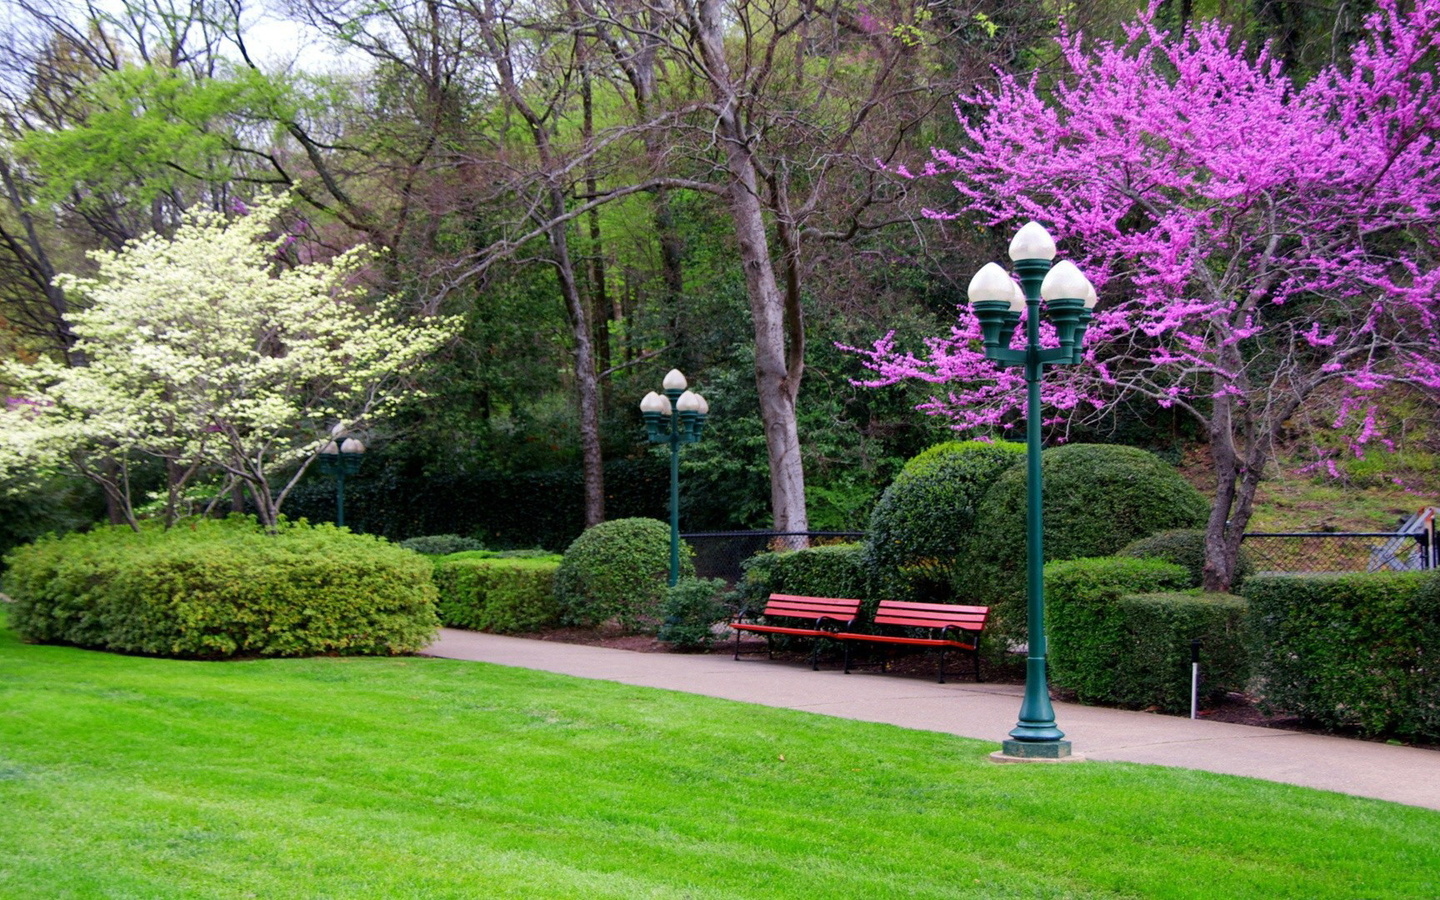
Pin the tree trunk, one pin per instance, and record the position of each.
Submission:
(778, 367)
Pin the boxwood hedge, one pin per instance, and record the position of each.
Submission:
(503, 595)
(220, 588)
(1359, 651)
(1098, 498)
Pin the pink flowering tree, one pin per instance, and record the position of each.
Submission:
(1262, 248)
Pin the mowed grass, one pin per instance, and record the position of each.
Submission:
(358, 778)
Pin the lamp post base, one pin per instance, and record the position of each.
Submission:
(1035, 751)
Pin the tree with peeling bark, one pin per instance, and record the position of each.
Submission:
(1263, 247)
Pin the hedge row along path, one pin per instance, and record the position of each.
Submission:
(985, 711)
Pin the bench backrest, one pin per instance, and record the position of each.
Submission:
(812, 607)
(931, 615)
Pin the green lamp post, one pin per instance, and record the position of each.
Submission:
(998, 303)
(338, 458)
(675, 417)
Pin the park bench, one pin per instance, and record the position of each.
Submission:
(940, 626)
(817, 618)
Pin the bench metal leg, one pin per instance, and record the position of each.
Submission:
(942, 665)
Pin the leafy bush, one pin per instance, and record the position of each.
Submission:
(220, 588)
(1098, 498)
(692, 609)
(1184, 547)
(496, 594)
(442, 544)
(617, 572)
(922, 526)
(835, 570)
(1358, 651)
(1154, 667)
(1088, 638)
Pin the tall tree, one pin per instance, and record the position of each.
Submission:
(1263, 246)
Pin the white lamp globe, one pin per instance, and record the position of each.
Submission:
(1065, 280)
(991, 283)
(1032, 242)
(674, 381)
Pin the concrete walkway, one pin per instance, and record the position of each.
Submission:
(988, 712)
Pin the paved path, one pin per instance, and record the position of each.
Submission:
(1402, 774)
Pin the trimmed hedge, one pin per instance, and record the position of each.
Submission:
(1154, 668)
(442, 544)
(618, 572)
(500, 595)
(834, 570)
(1184, 547)
(1088, 638)
(1358, 651)
(1098, 498)
(922, 526)
(220, 588)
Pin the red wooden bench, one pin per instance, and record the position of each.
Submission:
(942, 626)
(817, 618)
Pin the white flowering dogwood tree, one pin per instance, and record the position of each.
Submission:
(207, 353)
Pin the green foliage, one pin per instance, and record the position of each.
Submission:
(221, 588)
(1098, 498)
(692, 609)
(1184, 547)
(399, 501)
(55, 505)
(504, 596)
(922, 526)
(1357, 652)
(442, 544)
(1089, 639)
(617, 572)
(834, 570)
(1154, 669)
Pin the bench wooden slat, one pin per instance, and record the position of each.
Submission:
(814, 617)
(949, 625)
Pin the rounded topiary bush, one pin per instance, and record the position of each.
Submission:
(1184, 547)
(922, 525)
(617, 572)
(220, 588)
(1098, 498)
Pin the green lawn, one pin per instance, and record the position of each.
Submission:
(350, 778)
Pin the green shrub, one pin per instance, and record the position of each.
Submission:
(441, 544)
(834, 570)
(617, 572)
(1184, 547)
(1154, 666)
(922, 526)
(1087, 638)
(692, 609)
(220, 588)
(1357, 651)
(1098, 498)
(504, 596)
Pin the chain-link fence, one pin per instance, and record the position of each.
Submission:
(718, 554)
(1340, 551)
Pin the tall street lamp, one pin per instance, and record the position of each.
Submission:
(998, 303)
(338, 458)
(676, 417)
